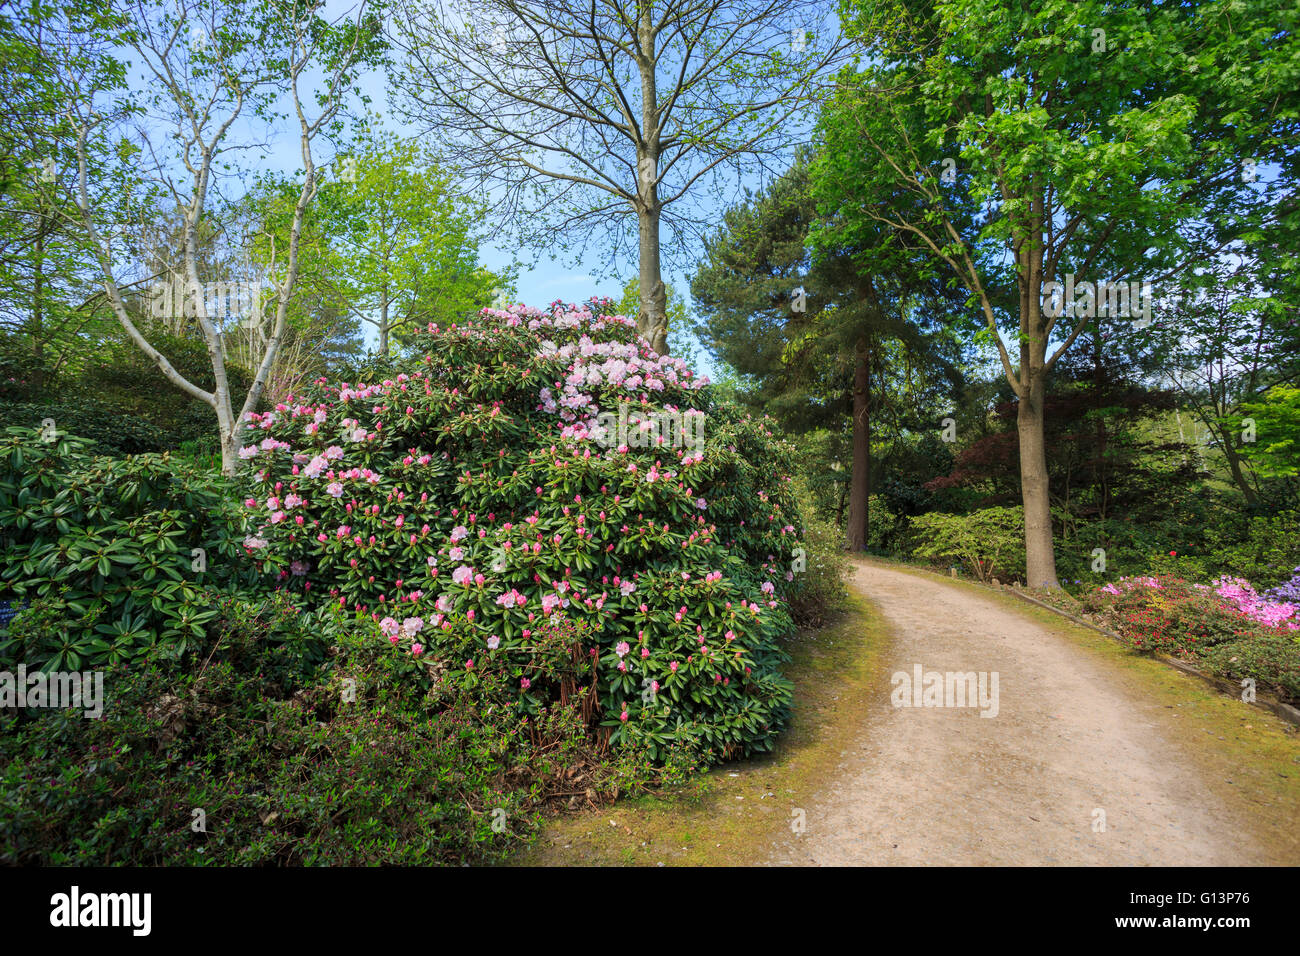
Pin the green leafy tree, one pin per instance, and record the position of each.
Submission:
(814, 327)
(405, 242)
(1223, 344)
(1106, 142)
(209, 67)
(1276, 420)
(49, 302)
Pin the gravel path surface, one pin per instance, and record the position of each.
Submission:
(1029, 786)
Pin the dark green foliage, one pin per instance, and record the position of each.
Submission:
(112, 431)
(103, 550)
(1271, 660)
(124, 377)
(358, 761)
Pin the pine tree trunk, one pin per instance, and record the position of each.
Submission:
(859, 480)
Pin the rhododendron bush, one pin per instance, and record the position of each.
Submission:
(482, 492)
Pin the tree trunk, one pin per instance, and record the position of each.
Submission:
(38, 318)
(228, 429)
(859, 480)
(1040, 558)
(652, 322)
(1234, 467)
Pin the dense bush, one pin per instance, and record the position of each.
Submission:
(1264, 554)
(989, 542)
(479, 492)
(369, 761)
(1166, 615)
(1260, 548)
(1288, 590)
(822, 568)
(111, 431)
(1224, 627)
(1271, 660)
(103, 551)
(122, 377)
(887, 533)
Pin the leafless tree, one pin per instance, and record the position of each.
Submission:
(583, 117)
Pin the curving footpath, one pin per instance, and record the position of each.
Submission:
(944, 785)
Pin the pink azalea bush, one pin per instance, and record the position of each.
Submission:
(1237, 594)
(1225, 627)
(1278, 614)
(475, 494)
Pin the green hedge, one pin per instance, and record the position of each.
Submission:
(111, 431)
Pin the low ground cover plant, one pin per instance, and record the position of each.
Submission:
(292, 738)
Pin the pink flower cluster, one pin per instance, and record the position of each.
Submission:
(1244, 598)
(1128, 584)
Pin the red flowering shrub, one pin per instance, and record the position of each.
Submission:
(1195, 622)
(502, 479)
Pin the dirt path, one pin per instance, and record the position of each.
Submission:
(940, 785)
